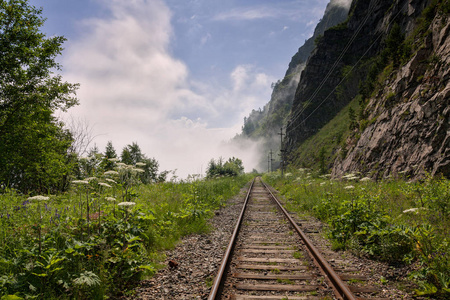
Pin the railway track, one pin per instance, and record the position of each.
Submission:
(269, 257)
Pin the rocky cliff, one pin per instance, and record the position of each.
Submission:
(393, 55)
(409, 116)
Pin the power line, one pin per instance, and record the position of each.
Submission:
(337, 61)
(348, 73)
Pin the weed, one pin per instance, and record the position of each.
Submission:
(209, 281)
(285, 281)
(297, 255)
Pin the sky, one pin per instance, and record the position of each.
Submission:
(176, 76)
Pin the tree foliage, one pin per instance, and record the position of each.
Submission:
(232, 167)
(132, 155)
(110, 154)
(33, 143)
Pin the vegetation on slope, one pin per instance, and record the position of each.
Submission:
(368, 79)
(319, 151)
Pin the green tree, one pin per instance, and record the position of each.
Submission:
(232, 167)
(33, 142)
(394, 44)
(132, 155)
(322, 163)
(110, 153)
(352, 118)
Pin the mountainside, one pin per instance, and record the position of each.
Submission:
(393, 56)
(409, 130)
(265, 123)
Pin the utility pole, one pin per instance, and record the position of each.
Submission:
(271, 160)
(282, 151)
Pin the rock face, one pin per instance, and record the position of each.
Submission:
(410, 130)
(317, 99)
(407, 117)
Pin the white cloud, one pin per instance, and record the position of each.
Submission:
(295, 10)
(249, 13)
(205, 39)
(343, 3)
(133, 89)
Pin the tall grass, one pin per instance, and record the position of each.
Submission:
(394, 220)
(102, 236)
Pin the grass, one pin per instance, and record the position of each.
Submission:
(396, 220)
(330, 138)
(97, 240)
(297, 255)
(285, 281)
(276, 271)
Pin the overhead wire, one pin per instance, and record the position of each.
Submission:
(337, 61)
(348, 73)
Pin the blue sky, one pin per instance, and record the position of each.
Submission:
(176, 76)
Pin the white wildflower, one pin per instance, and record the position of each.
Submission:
(38, 198)
(138, 170)
(415, 210)
(90, 178)
(104, 184)
(110, 180)
(80, 182)
(140, 164)
(110, 199)
(322, 183)
(348, 176)
(349, 187)
(365, 179)
(121, 165)
(126, 204)
(111, 172)
(114, 159)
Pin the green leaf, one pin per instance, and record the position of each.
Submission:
(11, 297)
(133, 239)
(148, 218)
(148, 268)
(88, 279)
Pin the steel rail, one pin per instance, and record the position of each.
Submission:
(226, 258)
(338, 285)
